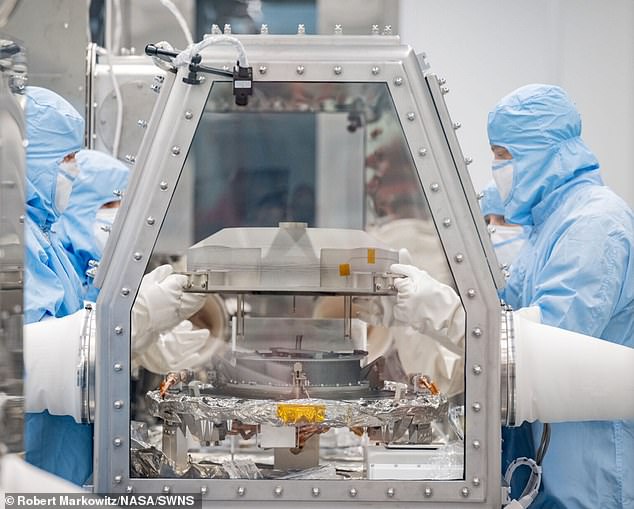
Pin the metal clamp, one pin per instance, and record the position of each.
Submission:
(507, 367)
(86, 365)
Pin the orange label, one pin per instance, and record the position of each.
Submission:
(344, 269)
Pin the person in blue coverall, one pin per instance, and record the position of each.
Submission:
(507, 239)
(83, 227)
(52, 288)
(53, 297)
(578, 267)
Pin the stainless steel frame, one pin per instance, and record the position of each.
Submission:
(12, 196)
(442, 171)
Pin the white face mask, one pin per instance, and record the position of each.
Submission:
(68, 171)
(503, 175)
(507, 241)
(103, 223)
(63, 189)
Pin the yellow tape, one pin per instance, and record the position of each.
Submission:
(371, 255)
(344, 269)
(290, 413)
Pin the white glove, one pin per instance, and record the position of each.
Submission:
(160, 305)
(376, 310)
(181, 348)
(429, 306)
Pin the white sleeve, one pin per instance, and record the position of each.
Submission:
(52, 355)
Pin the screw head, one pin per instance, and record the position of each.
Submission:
(278, 491)
(117, 479)
(118, 330)
(163, 186)
(125, 291)
(337, 69)
(444, 90)
(262, 69)
(166, 489)
(435, 187)
(465, 492)
(176, 150)
(118, 404)
(300, 69)
(315, 492)
(459, 257)
(241, 491)
(375, 30)
(477, 332)
(471, 293)
(476, 407)
(137, 256)
(390, 492)
(468, 160)
(116, 441)
(129, 489)
(353, 492)
(117, 366)
(398, 81)
(428, 492)
(338, 30)
(150, 220)
(301, 29)
(376, 70)
(189, 115)
(476, 481)
(411, 116)
(477, 369)
(476, 444)
(264, 29)
(446, 222)
(442, 81)
(422, 152)
(457, 125)
(203, 490)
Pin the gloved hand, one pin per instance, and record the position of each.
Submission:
(376, 310)
(181, 348)
(160, 305)
(429, 306)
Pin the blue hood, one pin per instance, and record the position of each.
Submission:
(54, 129)
(541, 128)
(100, 175)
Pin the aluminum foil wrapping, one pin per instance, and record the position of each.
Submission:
(419, 409)
(242, 469)
(321, 472)
(147, 461)
(150, 462)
